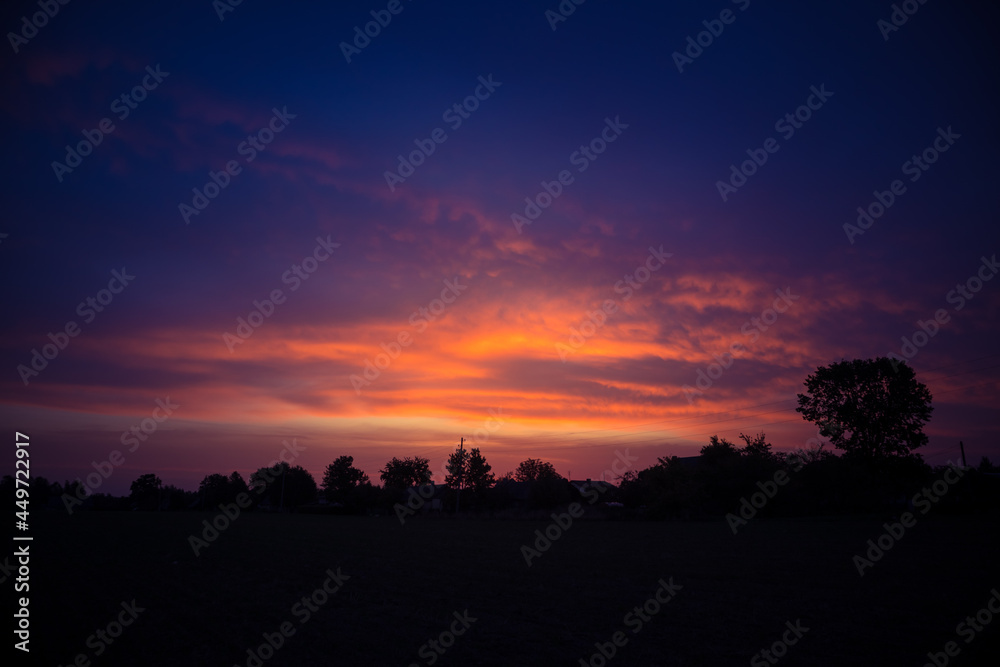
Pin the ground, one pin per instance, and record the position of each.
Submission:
(404, 584)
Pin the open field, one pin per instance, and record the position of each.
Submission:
(405, 583)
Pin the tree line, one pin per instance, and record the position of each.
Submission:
(872, 410)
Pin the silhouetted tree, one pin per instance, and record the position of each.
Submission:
(175, 498)
(237, 485)
(871, 408)
(468, 470)
(145, 491)
(283, 485)
(757, 448)
(479, 476)
(531, 470)
(75, 488)
(719, 453)
(458, 469)
(668, 488)
(803, 457)
(721, 474)
(40, 491)
(341, 481)
(548, 487)
(216, 489)
(404, 473)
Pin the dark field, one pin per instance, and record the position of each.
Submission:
(406, 582)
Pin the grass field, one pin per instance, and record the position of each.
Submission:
(406, 582)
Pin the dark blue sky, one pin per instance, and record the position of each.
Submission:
(324, 176)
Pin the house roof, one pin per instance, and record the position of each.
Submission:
(581, 484)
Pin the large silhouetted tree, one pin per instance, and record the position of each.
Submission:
(406, 472)
(145, 491)
(548, 487)
(458, 469)
(719, 453)
(757, 448)
(531, 470)
(667, 488)
(479, 475)
(341, 480)
(468, 470)
(284, 485)
(216, 489)
(237, 484)
(868, 407)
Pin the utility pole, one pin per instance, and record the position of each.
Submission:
(962, 447)
(461, 472)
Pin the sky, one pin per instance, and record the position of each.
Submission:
(581, 233)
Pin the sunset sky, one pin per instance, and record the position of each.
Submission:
(640, 239)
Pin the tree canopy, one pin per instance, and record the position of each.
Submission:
(468, 469)
(341, 479)
(216, 489)
(458, 469)
(284, 485)
(533, 470)
(479, 475)
(145, 491)
(406, 472)
(871, 408)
